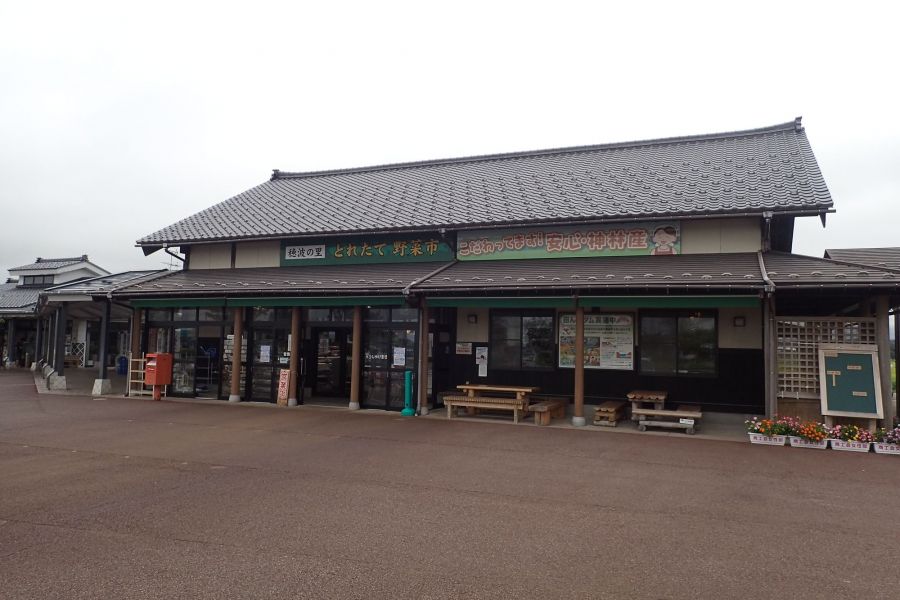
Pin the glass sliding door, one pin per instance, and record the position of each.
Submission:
(185, 356)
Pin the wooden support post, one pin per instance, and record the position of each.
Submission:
(136, 316)
(295, 355)
(769, 358)
(235, 395)
(423, 358)
(578, 417)
(356, 358)
(60, 341)
(883, 340)
(38, 342)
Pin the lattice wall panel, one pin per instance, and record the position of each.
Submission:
(798, 349)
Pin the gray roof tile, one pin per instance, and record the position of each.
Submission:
(299, 281)
(729, 271)
(767, 169)
(796, 270)
(48, 264)
(884, 258)
(17, 299)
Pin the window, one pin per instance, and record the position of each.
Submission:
(678, 343)
(37, 279)
(522, 340)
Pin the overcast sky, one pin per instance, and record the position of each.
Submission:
(119, 118)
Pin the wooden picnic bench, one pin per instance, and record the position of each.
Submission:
(478, 396)
(684, 417)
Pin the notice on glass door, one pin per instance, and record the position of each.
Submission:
(399, 356)
(265, 353)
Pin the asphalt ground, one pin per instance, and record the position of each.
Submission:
(130, 498)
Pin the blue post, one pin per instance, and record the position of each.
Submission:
(408, 410)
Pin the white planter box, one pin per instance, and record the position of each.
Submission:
(884, 448)
(850, 446)
(774, 440)
(799, 442)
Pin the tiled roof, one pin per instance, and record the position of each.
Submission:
(48, 264)
(305, 281)
(720, 271)
(17, 300)
(885, 258)
(102, 284)
(753, 171)
(796, 270)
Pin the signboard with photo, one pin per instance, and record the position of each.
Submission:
(608, 341)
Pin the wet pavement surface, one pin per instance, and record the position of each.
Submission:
(130, 498)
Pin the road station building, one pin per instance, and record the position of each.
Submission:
(585, 271)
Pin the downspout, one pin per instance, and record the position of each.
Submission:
(770, 350)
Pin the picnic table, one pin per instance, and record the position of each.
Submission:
(485, 396)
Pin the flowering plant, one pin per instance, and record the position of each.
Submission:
(888, 436)
(851, 433)
(812, 431)
(771, 427)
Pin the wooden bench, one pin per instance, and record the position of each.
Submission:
(543, 411)
(609, 413)
(685, 417)
(516, 405)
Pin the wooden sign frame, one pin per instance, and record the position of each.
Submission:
(868, 350)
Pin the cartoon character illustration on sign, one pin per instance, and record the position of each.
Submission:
(664, 239)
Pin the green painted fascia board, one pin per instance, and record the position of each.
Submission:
(320, 301)
(670, 302)
(502, 302)
(177, 302)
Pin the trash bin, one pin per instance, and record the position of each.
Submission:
(122, 366)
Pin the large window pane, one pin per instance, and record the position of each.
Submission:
(537, 342)
(658, 345)
(185, 314)
(505, 354)
(697, 345)
(505, 327)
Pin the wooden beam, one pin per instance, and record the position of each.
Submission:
(295, 355)
(237, 350)
(423, 358)
(883, 340)
(355, 358)
(578, 417)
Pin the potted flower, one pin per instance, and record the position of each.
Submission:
(887, 441)
(771, 432)
(810, 435)
(851, 438)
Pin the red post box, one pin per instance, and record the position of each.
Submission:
(159, 369)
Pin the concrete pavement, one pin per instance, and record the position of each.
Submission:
(129, 498)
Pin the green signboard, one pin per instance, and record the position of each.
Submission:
(849, 381)
(617, 239)
(365, 250)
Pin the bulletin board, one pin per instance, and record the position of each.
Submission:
(849, 380)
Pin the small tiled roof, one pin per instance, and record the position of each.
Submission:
(720, 271)
(17, 299)
(103, 284)
(754, 171)
(884, 258)
(48, 264)
(796, 270)
(299, 281)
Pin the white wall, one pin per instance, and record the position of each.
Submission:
(258, 254)
(749, 336)
(210, 256)
(713, 236)
(468, 332)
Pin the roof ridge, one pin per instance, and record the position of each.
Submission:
(788, 126)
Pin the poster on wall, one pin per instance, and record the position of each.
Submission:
(464, 348)
(399, 356)
(481, 359)
(620, 239)
(608, 342)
